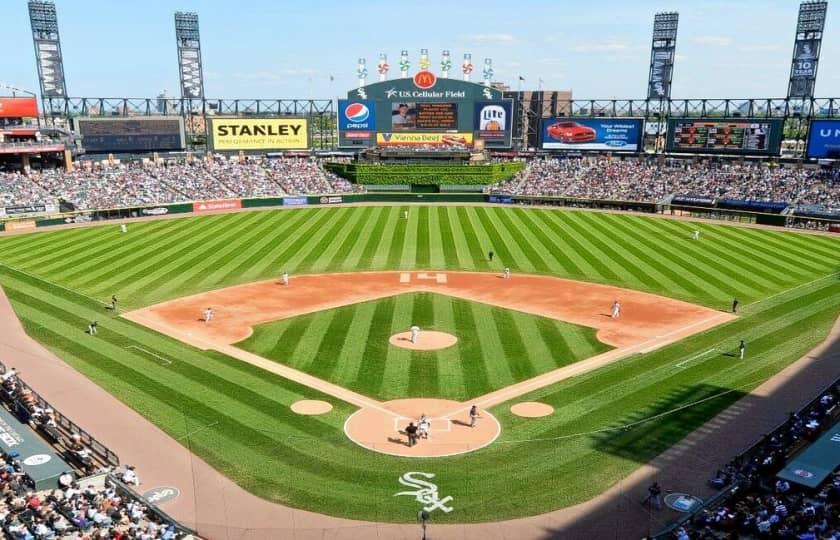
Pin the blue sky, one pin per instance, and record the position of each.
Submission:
(282, 49)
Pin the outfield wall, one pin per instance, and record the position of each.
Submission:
(775, 218)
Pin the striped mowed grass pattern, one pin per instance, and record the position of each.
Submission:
(606, 422)
(496, 347)
(170, 258)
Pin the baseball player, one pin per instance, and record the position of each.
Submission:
(284, 278)
(473, 415)
(405, 214)
(208, 315)
(114, 303)
(490, 255)
(415, 333)
(506, 273)
(424, 426)
(123, 228)
(742, 347)
(734, 305)
(616, 310)
(696, 235)
(92, 328)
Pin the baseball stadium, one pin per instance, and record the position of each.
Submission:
(434, 307)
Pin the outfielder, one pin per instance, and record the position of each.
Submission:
(696, 235)
(415, 333)
(616, 310)
(123, 228)
(742, 347)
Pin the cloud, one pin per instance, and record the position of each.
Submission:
(498, 38)
(680, 58)
(607, 45)
(715, 41)
(551, 61)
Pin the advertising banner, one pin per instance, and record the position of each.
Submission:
(331, 200)
(294, 201)
(603, 134)
(215, 206)
(424, 139)
(824, 139)
(18, 107)
(107, 135)
(26, 209)
(500, 199)
(493, 120)
(356, 115)
(259, 133)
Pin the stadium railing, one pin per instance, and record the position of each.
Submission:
(66, 428)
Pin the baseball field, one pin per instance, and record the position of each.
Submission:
(605, 423)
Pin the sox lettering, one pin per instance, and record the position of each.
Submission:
(426, 492)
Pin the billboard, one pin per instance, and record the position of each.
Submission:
(151, 134)
(356, 115)
(18, 107)
(215, 206)
(743, 136)
(409, 116)
(824, 139)
(284, 133)
(602, 134)
(493, 120)
(424, 139)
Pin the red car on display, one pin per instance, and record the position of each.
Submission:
(570, 132)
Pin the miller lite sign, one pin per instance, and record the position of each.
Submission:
(491, 120)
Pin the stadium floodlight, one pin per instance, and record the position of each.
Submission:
(189, 55)
(662, 55)
(44, 22)
(806, 49)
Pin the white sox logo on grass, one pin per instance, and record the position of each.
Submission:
(426, 492)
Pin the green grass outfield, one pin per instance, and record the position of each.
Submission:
(496, 347)
(236, 416)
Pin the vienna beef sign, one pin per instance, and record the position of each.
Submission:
(259, 133)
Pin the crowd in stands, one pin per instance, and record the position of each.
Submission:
(766, 506)
(138, 183)
(650, 181)
(95, 507)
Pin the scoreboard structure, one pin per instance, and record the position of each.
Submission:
(740, 136)
(135, 134)
(425, 111)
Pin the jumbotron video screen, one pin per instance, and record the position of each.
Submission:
(725, 136)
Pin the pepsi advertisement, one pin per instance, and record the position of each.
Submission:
(601, 134)
(356, 115)
(824, 139)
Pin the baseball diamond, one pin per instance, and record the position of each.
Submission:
(605, 419)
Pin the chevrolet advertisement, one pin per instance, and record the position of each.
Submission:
(262, 134)
(601, 134)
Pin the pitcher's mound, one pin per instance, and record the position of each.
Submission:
(311, 407)
(427, 340)
(532, 409)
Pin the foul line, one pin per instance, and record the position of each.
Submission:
(835, 274)
(52, 283)
(150, 353)
(695, 357)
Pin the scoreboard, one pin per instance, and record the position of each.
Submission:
(725, 136)
(140, 134)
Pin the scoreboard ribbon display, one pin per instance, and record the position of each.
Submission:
(259, 134)
(735, 136)
(424, 139)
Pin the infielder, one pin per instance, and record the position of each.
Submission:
(208, 315)
(616, 310)
(92, 328)
(415, 333)
(506, 273)
(473, 415)
(284, 278)
(114, 303)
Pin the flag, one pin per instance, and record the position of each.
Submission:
(332, 79)
(521, 78)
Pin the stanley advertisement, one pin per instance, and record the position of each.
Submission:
(259, 134)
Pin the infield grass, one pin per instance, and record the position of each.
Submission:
(606, 422)
(496, 347)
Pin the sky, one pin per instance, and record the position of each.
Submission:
(281, 49)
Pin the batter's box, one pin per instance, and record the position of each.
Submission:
(437, 277)
(435, 424)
